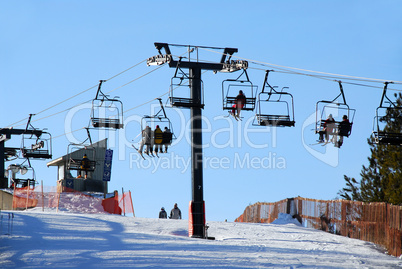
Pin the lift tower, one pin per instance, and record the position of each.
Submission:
(194, 103)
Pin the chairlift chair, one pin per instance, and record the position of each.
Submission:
(383, 131)
(180, 91)
(161, 138)
(75, 155)
(37, 147)
(231, 88)
(274, 108)
(160, 118)
(106, 112)
(21, 175)
(338, 110)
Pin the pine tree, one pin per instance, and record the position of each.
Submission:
(382, 178)
(351, 191)
(392, 163)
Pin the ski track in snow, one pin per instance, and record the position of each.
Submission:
(65, 240)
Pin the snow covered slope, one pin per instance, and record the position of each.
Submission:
(65, 240)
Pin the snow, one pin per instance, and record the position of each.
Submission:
(284, 218)
(70, 240)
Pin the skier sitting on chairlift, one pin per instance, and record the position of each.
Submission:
(146, 140)
(239, 103)
(85, 165)
(328, 128)
(166, 137)
(344, 130)
(158, 139)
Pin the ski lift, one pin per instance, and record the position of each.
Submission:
(180, 90)
(159, 119)
(383, 131)
(81, 156)
(76, 155)
(37, 145)
(274, 108)
(232, 87)
(336, 110)
(26, 175)
(106, 112)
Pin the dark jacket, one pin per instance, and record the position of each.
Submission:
(241, 98)
(344, 127)
(163, 214)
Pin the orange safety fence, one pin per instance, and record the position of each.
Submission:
(380, 223)
(66, 199)
(125, 202)
(119, 204)
(24, 198)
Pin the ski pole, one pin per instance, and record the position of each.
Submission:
(12, 222)
(9, 223)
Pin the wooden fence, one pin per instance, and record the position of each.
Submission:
(380, 223)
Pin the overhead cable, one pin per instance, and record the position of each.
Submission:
(58, 136)
(153, 70)
(84, 91)
(328, 78)
(310, 71)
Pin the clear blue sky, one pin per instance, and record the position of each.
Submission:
(52, 50)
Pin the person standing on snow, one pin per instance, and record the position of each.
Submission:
(163, 213)
(175, 213)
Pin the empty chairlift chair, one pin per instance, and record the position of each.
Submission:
(386, 130)
(180, 91)
(106, 112)
(274, 108)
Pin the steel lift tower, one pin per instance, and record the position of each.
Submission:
(195, 104)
